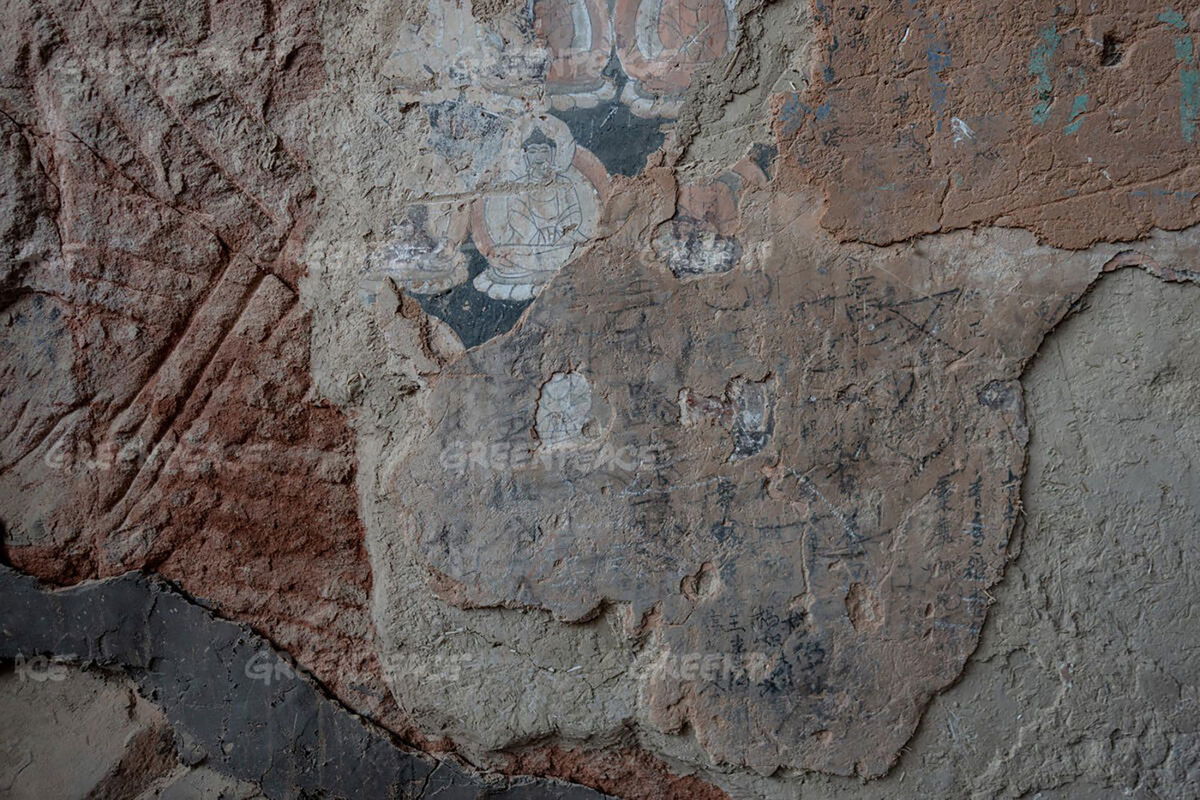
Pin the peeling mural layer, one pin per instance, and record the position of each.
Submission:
(628, 391)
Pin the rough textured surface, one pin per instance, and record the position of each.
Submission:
(114, 742)
(830, 576)
(153, 309)
(1083, 685)
(75, 734)
(235, 704)
(623, 391)
(1078, 121)
(1081, 688)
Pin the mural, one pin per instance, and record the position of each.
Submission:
(661, 43)
(476, 264)
(552, 207)
(563, 409)
(424, 254)
(579, 36)
(448, 52)
(530, 114)
(701, 239)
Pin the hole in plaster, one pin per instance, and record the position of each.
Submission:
(862, 606)
(1111, 51)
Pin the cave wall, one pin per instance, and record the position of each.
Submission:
(645, 398)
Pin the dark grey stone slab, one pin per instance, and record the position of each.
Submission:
(235, 703)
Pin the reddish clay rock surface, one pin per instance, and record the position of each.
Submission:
(160, 413)
(623, 772)
(1078, 121)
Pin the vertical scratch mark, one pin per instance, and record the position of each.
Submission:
(1189, 87)
(1189, 103)
(1039, 67)
(937, 57)
(1189, 75)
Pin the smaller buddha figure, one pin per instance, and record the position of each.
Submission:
(564, 408)
(578, 34)
(702, 238)
(449, 51)
(423, 253)
(661, 45)
(535, 229)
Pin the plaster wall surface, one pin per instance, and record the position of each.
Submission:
(675, 397)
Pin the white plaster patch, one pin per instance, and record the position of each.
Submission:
(564, 408)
